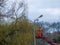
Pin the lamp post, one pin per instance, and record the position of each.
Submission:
(35, 27)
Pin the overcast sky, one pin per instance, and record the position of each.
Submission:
(49, 8)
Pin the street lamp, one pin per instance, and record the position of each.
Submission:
(35, 27)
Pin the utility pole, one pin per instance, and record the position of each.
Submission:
(35, 28)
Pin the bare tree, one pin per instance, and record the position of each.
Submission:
(13, 12)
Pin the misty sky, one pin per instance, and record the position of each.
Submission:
(49, 8)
